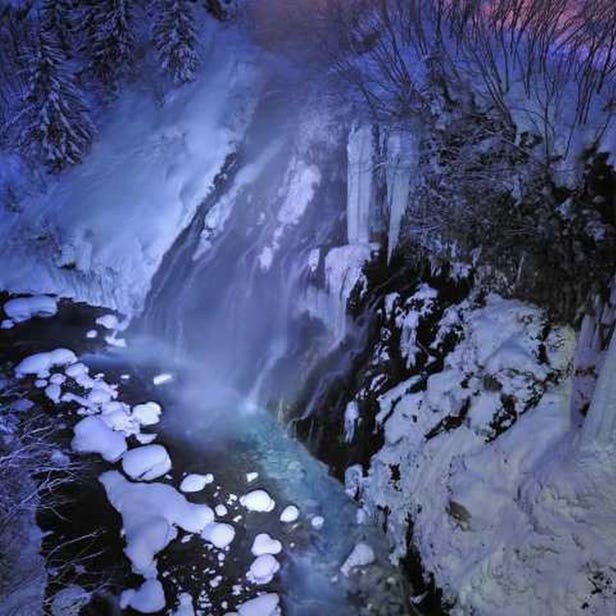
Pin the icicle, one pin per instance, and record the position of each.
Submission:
(600, 425)
(360, 184)
(402, 164)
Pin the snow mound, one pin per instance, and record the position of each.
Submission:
(258, 500)
(92, 435)
(146, 463)
(219, 535)
(162, 379)
(264, 544)
(263, 570)
(24, 308)
(147, 599)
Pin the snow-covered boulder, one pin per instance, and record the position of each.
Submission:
(263, 605)
(361, 556)
(146, 463)
(264, 544)
(24, 308)
(258, 500)
(92, 435)
(147, 599)
(219, 535)
(40, 364)
(263, 570)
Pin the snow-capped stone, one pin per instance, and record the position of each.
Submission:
(92, 435)
(250, 477)
(162, 379)
(150, 512)
(146, 463)
(317, 522)
(24, 308)
(7, 324)
(40, 363)
(53, 392)
(57, 379)
(361, 556)
(145, 439)
(264, 544)
(91, 334)
(114, 341)
(40, 383)
(263, 605)
(263, 569)
(148, 413)
(109, 321)
(147, 599)
(258, 500)
(195, 482)
(289, 514)
(220, 511)
(75, 370)
(219, 535)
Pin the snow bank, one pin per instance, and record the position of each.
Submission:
(24, 308)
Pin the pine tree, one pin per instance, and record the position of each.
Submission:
(58, 126)
(58, 16)
(111, 41)
(176, 41)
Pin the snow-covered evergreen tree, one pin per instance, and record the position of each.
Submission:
(58, 127)
(176, 41)
(58, 16)
(110, 39)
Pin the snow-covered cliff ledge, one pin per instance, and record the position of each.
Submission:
(98, 232)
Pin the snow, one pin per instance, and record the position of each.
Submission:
(219, 535)
(24, 308)
(53, 392)
(109, 321)
(262, 570)
(195, 482)
(150, 168)
(250, 477)
(147, 413)
(40, 363)
(92, 435)
(289, 514)
(162, 379)
(317, 522)
(360, 189)
(7, 324)
(185, 605)
(150, 514)
(361, 555)
(147, 599)
(146, 463)
(220, 511)
(258, 500)
(91, 334)
(264, 544)
(263, 605)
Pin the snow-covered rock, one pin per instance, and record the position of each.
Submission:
(219, 535)
(289, 514)
(92, 435)
(147, 599)
(24, 308)
(264, 544)
(146, 463)
(258, 500)
(263, 605)
(148, 413)
(195, 482)
(41, 363)
(162, 379)
(263, 569)
(361, 556)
